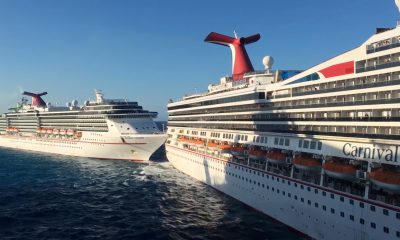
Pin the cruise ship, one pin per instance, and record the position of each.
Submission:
(103, 129)
(315, 149)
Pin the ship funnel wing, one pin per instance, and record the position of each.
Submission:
(36, 98)
(241, 63)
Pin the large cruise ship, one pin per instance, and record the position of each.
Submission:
(104, 128)
(317, 150)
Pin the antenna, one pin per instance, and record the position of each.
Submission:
(234, 33)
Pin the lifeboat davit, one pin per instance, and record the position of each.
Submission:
(257, 154)
(340, 170)
(276, 157)
(386, 179)
(238, 151)
(307, 163)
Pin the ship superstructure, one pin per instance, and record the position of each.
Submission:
(316, 149)
(104, 128)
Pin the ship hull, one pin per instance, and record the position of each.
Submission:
(139, 151)
(313, 210)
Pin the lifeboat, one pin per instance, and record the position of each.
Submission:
(276, 157)
(212, 145)
(386, 179)
(224, 147)
(56, 131)
(44, 130)
(63, 131)
(238, 151)
(257, 154)
(39, 130)
(199, 142)
(307, 163)
(340, 170)
(49, 131)
(70, 132)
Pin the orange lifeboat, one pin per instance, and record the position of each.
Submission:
(238, 151)
(307, 163)
(257, 154)
(386, 179)
(199, 142)
(225, 147)
(340, 170)
(212, 145)
(276, 157)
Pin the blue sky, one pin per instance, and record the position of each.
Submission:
(151, 51)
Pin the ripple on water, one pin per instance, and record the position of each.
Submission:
(58, 197)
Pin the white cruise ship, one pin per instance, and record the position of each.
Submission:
(103, 129)
(317, 150)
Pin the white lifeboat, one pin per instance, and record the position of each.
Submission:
(49, 131)
(56, 131)
(70, 132)
(63, 131)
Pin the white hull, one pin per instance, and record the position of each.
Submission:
(316, 211)
(134, 151)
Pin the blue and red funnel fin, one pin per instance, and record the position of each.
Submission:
(36, 98)
(241, 63)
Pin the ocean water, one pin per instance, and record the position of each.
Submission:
(44, 196)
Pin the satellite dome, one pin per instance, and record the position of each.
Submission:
(69, 104)
(267, 62)
(75, 103)
(86, 103)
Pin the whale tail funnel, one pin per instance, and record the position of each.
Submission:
(241, 63)
(36, 98)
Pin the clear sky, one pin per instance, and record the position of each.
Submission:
(151, 51)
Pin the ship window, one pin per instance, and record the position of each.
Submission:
(295, 197)
(309, 189)
(313, 144)
(342, 199)
(362, 221)
(332, 196)
(351, 201)
(361, 205)
(342, 214)
(283, 193)
(309, 202)
(386, 229)
(316, 191)
(306, 143)
(281, 141)
(385, 212)
(300, 143)
(277, 190)
(398, 215)
(319, 145)
(302, 199)
(289, 195)
(398, 234)
(372, 208)
(276, 140)
(324, 207)
(301, 186)
(373, 225)
(351, 217)
(332, 210)
(316, 205)
(286, 142)
(323, 193)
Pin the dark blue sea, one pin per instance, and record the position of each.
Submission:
(46, 196)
